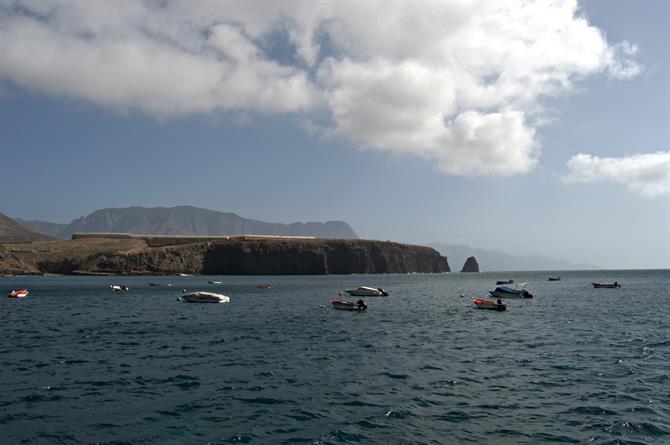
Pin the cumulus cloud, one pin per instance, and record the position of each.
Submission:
(460, 83)
(647, 174)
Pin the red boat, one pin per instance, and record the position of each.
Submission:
(18, 293)
(606, 285)
(487, 304)
(349, 305)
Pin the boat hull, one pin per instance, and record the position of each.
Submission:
(365, 291)
(499, 292)
(18, 293)
(348, 306)
(605, 286)
(205, 297)
(492, 305)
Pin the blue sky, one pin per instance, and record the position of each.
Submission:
(529, 128)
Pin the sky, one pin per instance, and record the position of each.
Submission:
(535, 127)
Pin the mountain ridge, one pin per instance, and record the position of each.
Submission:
(492, 260)
(188, 220)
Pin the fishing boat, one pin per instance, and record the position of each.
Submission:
(204, 297)
(606, 285)
(119, 288)
(554, 279)
(499, 282)
(349, 305)
(518, 291)
(214, 282)
(21, 293)
(487, 304)
(367, 291)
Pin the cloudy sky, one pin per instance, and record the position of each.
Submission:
(528, 127)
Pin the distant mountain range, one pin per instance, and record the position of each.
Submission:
(491, 260)
(186, 220)
(12, 232)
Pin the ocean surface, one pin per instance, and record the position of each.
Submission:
(82, 364)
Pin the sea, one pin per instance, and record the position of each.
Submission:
(81, 364)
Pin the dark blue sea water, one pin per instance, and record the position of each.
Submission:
(82, 364)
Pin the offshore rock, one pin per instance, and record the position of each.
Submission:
(470, 265)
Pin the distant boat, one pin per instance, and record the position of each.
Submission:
(348, 305)
(214, 282)
(185, 275)
(606, 285)
(21, 293)
(264, 286)
(518, 291)
(554, 278)
(205, 297)
(366, 291)
(117, 288)
(486, 304)
(153, 283)
(499, 282)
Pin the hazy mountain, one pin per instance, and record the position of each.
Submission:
(187, 220)
(11, 232)
(53, 229)
(492, 260)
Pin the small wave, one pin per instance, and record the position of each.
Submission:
(590, 410)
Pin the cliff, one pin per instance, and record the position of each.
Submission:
(235, 256)
(470, 265)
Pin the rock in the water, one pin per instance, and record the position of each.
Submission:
(470, 265)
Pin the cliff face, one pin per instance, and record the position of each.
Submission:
(470, 265)
(230, 257)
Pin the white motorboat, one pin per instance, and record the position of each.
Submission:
(205, 297)
(366, 291)
(119, 288)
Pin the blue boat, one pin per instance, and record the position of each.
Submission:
(518, 291)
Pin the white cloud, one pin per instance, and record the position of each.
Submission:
(460, 83)
(647, 174)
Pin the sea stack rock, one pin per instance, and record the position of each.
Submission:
(470, 265)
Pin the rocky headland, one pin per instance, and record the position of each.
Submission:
(230, 256)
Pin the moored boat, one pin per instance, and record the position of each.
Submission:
(606, 285)
(20, 293)
(205, 297)
(367, 291)
(264, 286)
(554, 279)
(154, 283)
(499, 282)
(119, 288)
(214, 282)
(349, 305)
(518, 291)
(487, 304)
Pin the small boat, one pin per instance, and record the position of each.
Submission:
(153, 283)
(119, 288)
(264, 286)
(214, 282)
(204, 297)
(499, 282)
(487, 304)
(366, 291)
(554, 278)
(606, 285)
(349, 305)
(518, 291)
(21, 293)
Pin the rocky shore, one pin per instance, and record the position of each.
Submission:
(235, 256)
